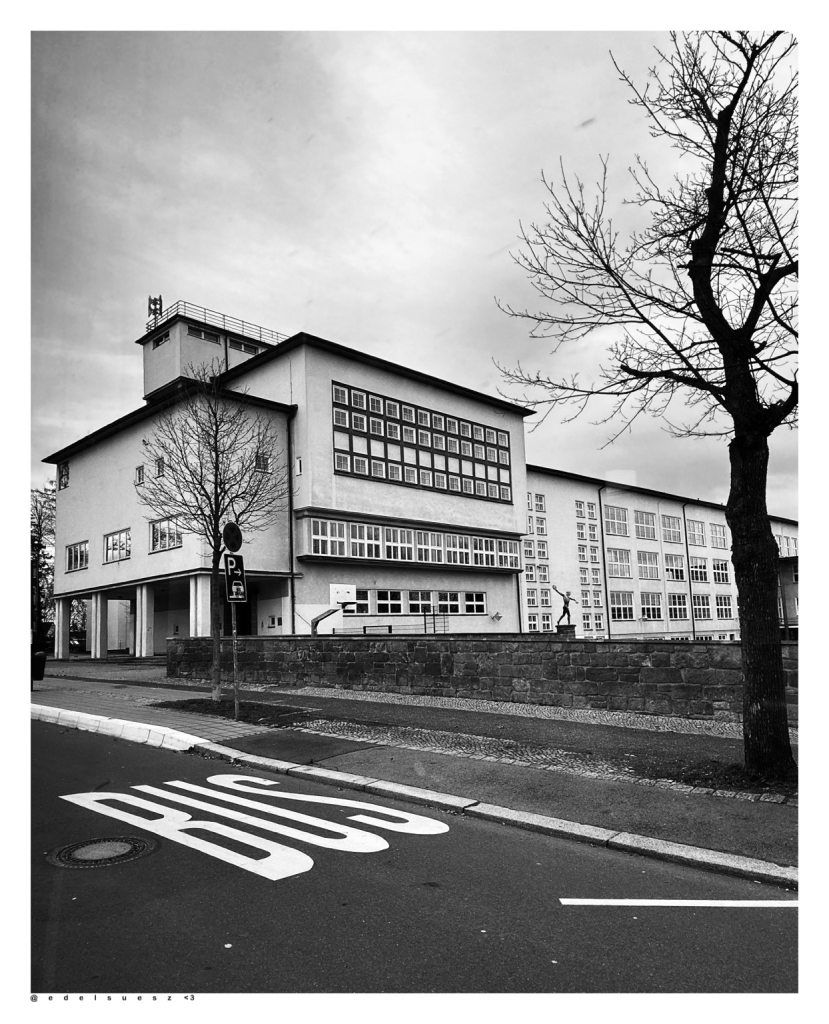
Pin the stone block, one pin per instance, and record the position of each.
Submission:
(660, 675)
(599, 675)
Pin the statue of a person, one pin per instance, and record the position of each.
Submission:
(566, 598)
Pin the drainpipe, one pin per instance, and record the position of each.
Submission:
(291, 416)
(518, 596)
(688, 560)
(604, 560)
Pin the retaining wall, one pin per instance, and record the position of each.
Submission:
(691, 680)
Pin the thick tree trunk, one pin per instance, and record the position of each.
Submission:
(754, 554)
(216, 631)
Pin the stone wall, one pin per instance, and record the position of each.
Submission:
(691, 680)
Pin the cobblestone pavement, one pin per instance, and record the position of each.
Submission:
(112, 704)
(587, 716)
(524, 755)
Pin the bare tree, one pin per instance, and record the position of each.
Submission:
(42, 534)
(702, 304)
(212, 459)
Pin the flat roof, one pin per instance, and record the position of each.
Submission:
(170, 398)
(598, 481)
(363, 357)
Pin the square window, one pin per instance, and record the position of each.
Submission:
(393, 471)
(425, 478)
(437, 421)
(376, 426)
(340, 395)
(440, 480)
(454, 483)
(393, 431)
(505, 493)
(478, 433)
(378, 469)
(358, 399)
(360, 465)
(375, 404)
(439, 442)
(452, 426)
(503, 439)
(478, 449)
(423, 418)
(410, 474)
(503, 457)
(392, 409)
(424, 438)
(408, 414)
(542, 549)
(452, 445)
(358, 421)
(341, 418)
(342, 462)
(449, 602)
(480, 488)
(468, 486)
(409, 435)
(466, 430)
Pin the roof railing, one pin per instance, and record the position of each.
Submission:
(210, 316)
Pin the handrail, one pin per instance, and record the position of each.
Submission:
(215, 319)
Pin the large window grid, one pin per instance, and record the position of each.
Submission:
(386, 461)
(645, 525)
(671, 529)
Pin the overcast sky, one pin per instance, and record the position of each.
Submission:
(366, 187)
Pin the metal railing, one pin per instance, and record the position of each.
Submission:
(210, 316)
(430, 624)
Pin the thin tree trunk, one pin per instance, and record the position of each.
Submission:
(754, 554)
(215, 632)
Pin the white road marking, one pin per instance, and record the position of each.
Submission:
(679, 903)
(280, 861)
(354, 840)
(415, 824)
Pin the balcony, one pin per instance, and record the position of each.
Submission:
(214, 319)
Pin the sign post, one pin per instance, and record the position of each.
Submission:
(237, 591)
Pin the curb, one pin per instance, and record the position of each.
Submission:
(661, 849)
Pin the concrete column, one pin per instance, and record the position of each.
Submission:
(200, 605)
(131, 629)
(100, 625)
(62, 619)
(145, 621)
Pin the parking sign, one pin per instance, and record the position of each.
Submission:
(237, 588)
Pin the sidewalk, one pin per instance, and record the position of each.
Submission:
(575, 766)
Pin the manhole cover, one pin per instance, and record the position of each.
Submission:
(101, 853)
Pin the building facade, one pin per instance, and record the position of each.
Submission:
(410, 489)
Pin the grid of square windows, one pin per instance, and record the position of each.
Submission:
(483, 473)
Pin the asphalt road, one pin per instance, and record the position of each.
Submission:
(447, 904)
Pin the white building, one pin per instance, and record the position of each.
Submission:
(405, 486)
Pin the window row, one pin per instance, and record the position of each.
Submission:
(539, 504)
(537, 524)
(591, 509)
(117, 547)
(619, 565)
(417, 602)
(381, 406)
(616, 525)
(407, 474)
(362, 540)
(589, 622)
(594, 553)
(343, 420)
(622, 608)
(536, 549)
(787, 546)
(530, 573)
(587, 531)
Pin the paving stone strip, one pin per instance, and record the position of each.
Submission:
(524, 755)
(589, 716)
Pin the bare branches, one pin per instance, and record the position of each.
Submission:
(212, 458)
(703, 300)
